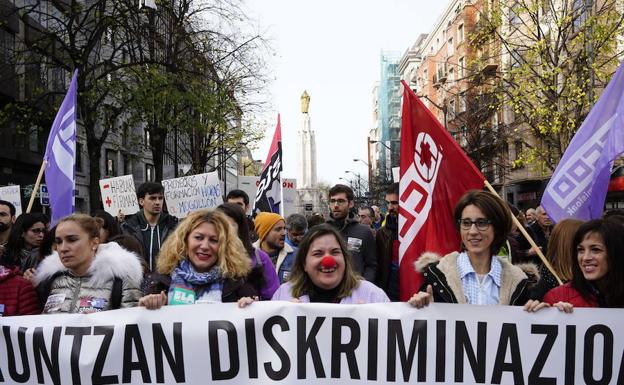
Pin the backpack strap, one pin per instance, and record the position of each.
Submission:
(115, 298)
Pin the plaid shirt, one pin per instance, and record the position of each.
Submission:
(485, 293)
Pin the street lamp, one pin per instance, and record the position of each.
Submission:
(380, 142)
(360, 160)
(441, 108)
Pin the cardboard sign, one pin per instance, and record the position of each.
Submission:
(289, 190)
(191, 193)
(119, 194)
(12, 194)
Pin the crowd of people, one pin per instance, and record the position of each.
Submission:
(87, 264)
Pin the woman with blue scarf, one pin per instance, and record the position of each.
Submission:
(206, 263)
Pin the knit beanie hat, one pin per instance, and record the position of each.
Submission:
(264, 222)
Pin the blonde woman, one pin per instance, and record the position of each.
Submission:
(206, 263)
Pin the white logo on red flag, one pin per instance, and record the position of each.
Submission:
(417, 185)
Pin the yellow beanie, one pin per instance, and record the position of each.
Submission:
(264, 222)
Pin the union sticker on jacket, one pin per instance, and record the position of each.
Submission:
(354, 244)
(53, 303)
(91, 305)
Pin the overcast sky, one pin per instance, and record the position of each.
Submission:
(331, 48)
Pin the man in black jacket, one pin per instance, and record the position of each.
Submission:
(150, 225)
(387, 239)
(359, 238)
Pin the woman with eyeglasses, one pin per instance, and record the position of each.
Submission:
(25, 238)
(475, 275)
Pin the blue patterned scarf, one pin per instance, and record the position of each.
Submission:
(208, 287)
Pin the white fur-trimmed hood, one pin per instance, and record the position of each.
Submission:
(111, 260)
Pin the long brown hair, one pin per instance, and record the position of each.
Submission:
(299, 279)
(611, 233)
(559, 251)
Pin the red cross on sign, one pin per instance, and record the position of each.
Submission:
(108, 201)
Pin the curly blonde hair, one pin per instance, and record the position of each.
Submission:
(232, 257)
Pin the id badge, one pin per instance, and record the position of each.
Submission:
(182, 296)
(354, 244)
(53, 303)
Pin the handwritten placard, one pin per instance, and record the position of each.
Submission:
(191, 193)
(119, 194)
(12, 194)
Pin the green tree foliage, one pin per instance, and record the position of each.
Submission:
(183, 68)
(557, 56)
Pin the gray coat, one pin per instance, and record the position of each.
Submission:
(92, 293)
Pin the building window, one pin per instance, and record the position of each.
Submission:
(127, 166)
(149, 172)
(460, 33)
(451, 109)
(462, 102)
(460, 67)
(518, 149)
(514, 17)
(33, 139)
(111, 162)
(516, 59)
(78, 157)
(146, 137)
(495, 122)
(450, 50)
(425, 78)
(451, 75)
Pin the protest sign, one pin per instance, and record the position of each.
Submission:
(119, 194)
(191, 193)
(328, 343)
(12, 194)
(249, 184)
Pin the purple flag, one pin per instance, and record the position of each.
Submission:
(578, 187)
(60, 156)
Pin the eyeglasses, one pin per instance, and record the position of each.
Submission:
(38, 231)
(338, 202)
(481, 223)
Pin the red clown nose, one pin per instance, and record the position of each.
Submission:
(328, 262)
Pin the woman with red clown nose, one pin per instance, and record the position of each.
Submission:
(323, 272)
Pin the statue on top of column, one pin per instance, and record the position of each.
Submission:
(305, 102)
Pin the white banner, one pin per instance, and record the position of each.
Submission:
(12, 194)
(191, 193)
(119, 194)
(327, 343)
(249, 184)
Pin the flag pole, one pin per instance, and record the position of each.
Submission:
(528, 237)
(34, 190)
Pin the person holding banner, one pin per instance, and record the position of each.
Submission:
(475, 275)
(263, 275)
(597, 268)
(206, 262)
(85, 276)
(323, 271)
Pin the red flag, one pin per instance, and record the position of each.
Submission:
(435, 173)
